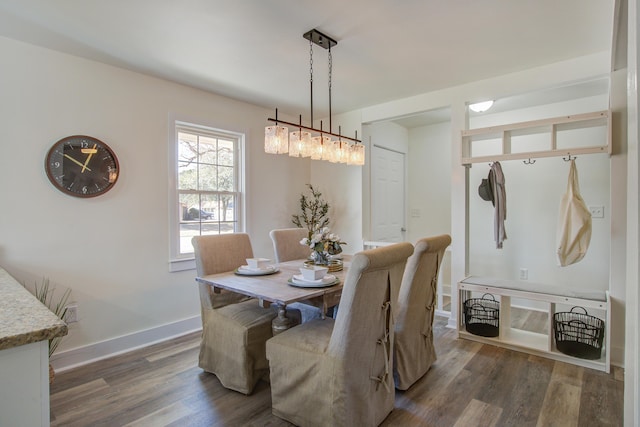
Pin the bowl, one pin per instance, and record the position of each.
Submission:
(257, 262)
(313, 272)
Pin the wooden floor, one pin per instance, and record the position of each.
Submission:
(470, 384)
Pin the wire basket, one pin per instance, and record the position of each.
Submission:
(482, 316)
(578, 334)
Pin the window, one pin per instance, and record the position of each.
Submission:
(207, 186)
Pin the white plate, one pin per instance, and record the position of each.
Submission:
(244, 270)
(298, 280)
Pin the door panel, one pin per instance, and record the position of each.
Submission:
(387, 195)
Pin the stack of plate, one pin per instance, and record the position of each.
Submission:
(299, 281)
(334, 265)
(245, 270)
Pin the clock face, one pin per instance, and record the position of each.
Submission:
(82, 166)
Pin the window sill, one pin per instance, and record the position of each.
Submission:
(176, 265)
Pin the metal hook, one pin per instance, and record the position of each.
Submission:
(568, 159)
(528, 162)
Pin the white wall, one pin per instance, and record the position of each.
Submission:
(429, 169)
(113, 250)
(533, 199)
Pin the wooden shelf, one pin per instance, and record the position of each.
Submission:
(546, 126)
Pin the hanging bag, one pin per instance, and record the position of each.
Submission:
(574, 223)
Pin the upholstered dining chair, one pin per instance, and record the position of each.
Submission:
(339, 372)
(234, 327)
(414, 350)
(287, 247)
(286, 244)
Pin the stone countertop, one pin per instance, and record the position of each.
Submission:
(24, 319)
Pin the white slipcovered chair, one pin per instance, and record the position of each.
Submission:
(414, 351)
(339, 372)
(234, 327)
(286, 244)
(287, 247)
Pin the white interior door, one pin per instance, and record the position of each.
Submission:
(387, 195)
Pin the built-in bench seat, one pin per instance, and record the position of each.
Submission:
(553, 298)
(538, 288)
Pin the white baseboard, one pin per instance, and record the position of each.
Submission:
(73, 358)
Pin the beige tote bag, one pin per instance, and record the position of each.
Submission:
(574, 223)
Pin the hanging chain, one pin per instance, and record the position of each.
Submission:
(310, 61)
(330, 67)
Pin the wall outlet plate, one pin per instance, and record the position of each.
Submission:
(524, 274)
(596, 211)
(71, 315)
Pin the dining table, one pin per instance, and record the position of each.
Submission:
(276, 286)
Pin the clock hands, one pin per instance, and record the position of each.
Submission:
(76, 162)
(86, 162)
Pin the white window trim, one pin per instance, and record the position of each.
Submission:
(187, 262)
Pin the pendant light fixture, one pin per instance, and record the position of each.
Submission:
(300, 142)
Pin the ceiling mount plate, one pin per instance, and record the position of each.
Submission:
(320, 39)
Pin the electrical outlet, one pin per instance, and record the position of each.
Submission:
(72, 313)
(596, 211)
(524, 274)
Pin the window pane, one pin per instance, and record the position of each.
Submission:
(209, 204)
(208, 178)
(227, 227)
(187, 231)
(188, 206)
(207, 150)
(187, 147)
(187, 176)
(227, 208)
(225, 152)
(225, 178)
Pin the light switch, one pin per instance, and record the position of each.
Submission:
(415, 213)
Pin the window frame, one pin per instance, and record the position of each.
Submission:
(186, 261)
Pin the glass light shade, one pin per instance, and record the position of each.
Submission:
(356, 155)
(340, 151)
(481, 107)
(276, 140)
(332, 152)
(320, 147)
(337, 152)
(300, 144)
(327, 148)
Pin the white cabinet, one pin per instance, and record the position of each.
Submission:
(553, 299)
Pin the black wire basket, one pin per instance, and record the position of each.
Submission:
(578, 334)
(482, 316)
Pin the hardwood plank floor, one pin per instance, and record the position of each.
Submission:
(470, 384)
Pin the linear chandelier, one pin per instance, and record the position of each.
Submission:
(300, 143)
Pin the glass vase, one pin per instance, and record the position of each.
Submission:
(320, 258)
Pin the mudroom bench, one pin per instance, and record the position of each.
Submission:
(551, 299)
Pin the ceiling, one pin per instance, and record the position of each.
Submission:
(253, 50)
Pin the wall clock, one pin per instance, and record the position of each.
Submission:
(82, 166)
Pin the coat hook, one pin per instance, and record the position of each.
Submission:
(569, 158)
(528, 162)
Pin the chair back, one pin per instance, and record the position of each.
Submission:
(219, 253)
(414, 348)
(286, 244)
(362, 339)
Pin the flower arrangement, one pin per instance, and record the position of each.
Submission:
(323, 243)
(314, 212)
